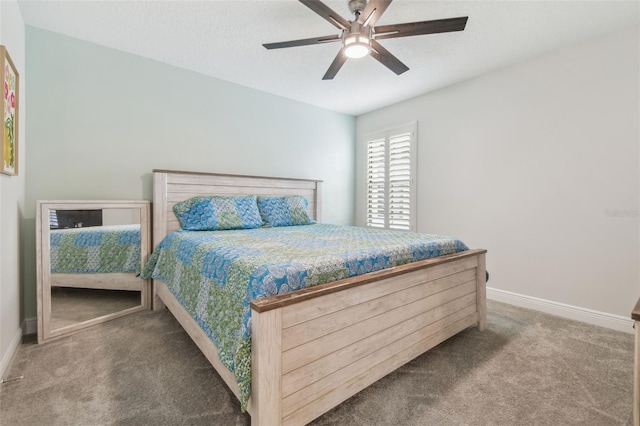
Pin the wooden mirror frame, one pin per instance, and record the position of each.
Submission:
(43, 262)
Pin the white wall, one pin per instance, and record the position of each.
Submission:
(12, 189)
(528, 162)
(101, 120)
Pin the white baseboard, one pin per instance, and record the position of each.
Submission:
(10, 354)
(602, 319)
(30, 326)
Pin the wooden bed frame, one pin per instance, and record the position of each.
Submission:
(128, 281)
(314, 348)
(105, 281)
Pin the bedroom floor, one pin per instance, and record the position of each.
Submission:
(528, 368)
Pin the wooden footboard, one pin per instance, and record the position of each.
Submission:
(103, 281)
(315, 348)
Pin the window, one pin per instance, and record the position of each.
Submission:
(391, 170)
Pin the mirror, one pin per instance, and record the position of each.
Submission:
(89, 255)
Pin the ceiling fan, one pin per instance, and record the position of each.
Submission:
(359, 37)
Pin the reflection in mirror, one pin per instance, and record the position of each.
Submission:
(90, 256)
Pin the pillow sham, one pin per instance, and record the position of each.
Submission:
(284, 211)
(217, 213)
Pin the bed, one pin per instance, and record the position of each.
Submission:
(312, 348)
(96, 257)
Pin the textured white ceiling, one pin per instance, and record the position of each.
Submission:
(224, 39)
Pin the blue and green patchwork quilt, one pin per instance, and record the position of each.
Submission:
(215, 274)
(96, 249)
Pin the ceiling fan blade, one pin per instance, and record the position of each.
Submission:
(302, 42)
(385, 57)
(419, 28)
(335, 66)
(373, 11)
(327, 13)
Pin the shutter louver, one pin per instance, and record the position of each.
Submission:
(53, 219)
(376, 183)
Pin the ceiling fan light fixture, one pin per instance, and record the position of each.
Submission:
(357, 43)
(356, 46)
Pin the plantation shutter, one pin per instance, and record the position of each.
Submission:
(376, 183)
(400, 181)
(390, 191)
(53, 219)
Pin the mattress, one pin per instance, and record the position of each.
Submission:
(96, 249)
(215, 274)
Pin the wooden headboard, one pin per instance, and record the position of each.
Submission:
(171, 187)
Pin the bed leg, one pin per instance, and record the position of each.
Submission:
(266, 365)
(481, 292)
(157, 303)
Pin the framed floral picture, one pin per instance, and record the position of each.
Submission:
(9, 138)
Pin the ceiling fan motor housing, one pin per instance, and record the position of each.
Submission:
(357, 29)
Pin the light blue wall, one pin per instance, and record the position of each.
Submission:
(99, 121)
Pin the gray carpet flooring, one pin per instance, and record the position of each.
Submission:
(528, 368)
